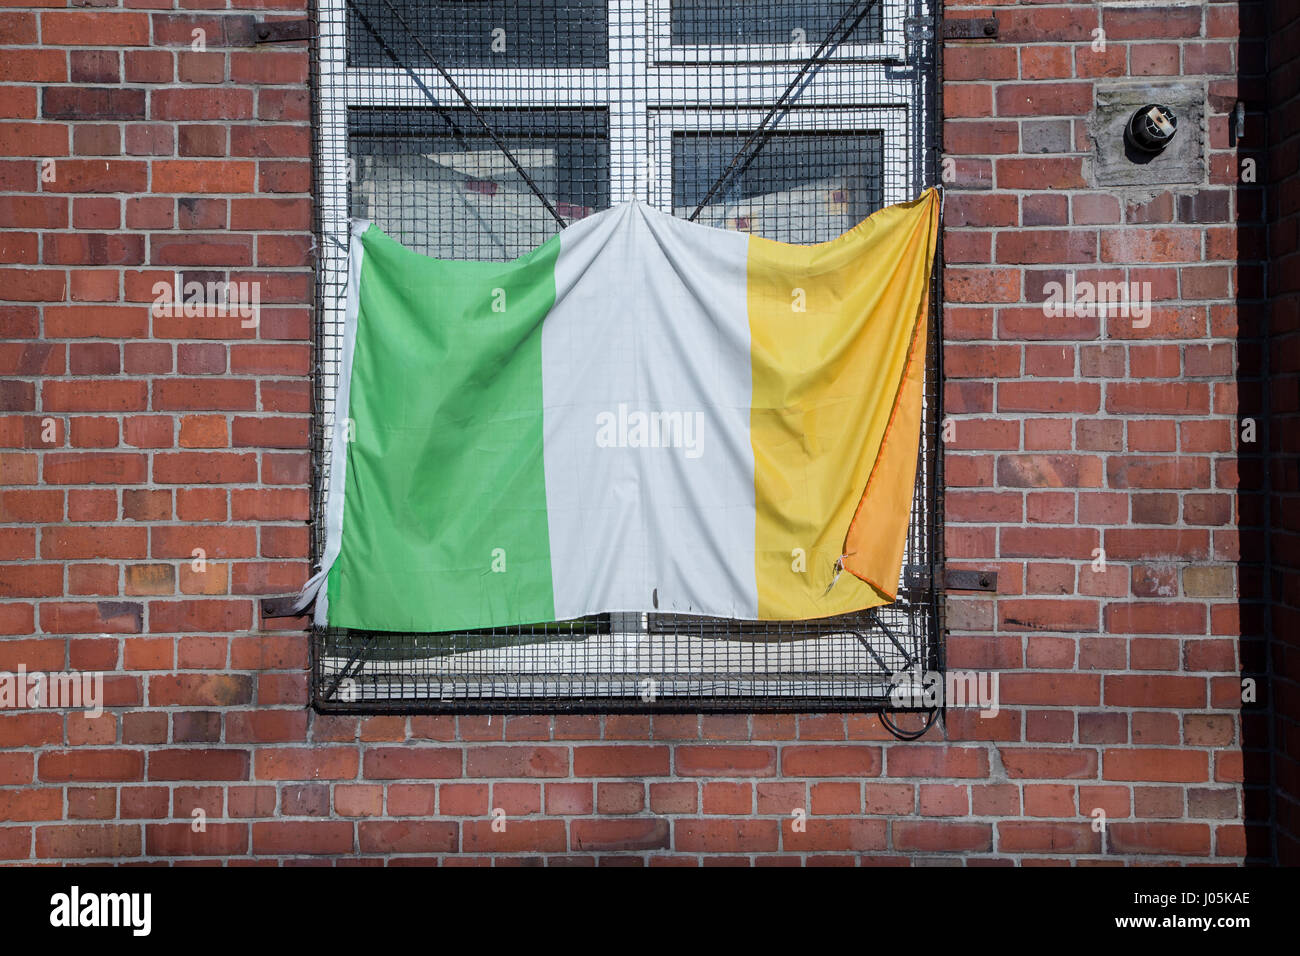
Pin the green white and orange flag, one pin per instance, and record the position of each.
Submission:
(642, 414)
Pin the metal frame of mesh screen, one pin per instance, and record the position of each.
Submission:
(473, 129)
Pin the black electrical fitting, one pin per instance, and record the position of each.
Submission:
(1151, 128)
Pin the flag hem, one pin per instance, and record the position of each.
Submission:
(338, 436)
(918, 335)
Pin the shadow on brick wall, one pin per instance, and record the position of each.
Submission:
(1274, 26)
(1237, 115)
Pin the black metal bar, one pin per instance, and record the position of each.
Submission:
(478, 115)
(971, 28)
(357, 658)
(866, 645)
(812, 60)
(935, 518)
(281, 606)
(893, 640)
(282, 31)
(955, 580)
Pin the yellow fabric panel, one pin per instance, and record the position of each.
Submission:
(829, 385)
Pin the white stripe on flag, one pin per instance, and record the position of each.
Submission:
(657, 327)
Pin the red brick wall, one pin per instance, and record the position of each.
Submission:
(1086, 433)
(1120, 690)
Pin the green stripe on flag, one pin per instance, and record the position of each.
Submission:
(444, 514)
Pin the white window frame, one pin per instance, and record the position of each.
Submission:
(892, 123)
(891, 47)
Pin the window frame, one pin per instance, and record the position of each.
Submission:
(891, 48)
(889, 121)
(685, 81)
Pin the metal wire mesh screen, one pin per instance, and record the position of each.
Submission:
(474, 129)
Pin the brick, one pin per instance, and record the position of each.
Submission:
(199, 690)
(1165, 839)
(270, 432)
(725, 836)
(1147, 22)
(183, 468)
(942, 837)
(1049, 471)
(204, 395)
(180, 839)
(1124, 690)
(17, 29)
(831, 761)
(101, 617)
(604, 836)
(1049, 615)
(1155, 765)
(386, 837)
(1049, 689)
(1157, 618)
(307, 837)
(397, 763)
(932, 762)
(1073, 543)
(1131, 543)
(97, 321)
(316, 763)
(1041, 173)
(83, 765)
(677, 797)
(88, 841)
(517, 762)
(621, 761)
(532, 836)
(1082, 398)
(725, 761)
(1045, 246)
(200, 615)
(194, 176)
(1175, 398)
(205, 764)
(1030, 837)
(98, 176)
(92, 103)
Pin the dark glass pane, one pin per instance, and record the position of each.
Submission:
(800, 187)
(727, 22)
(437, 183)
(482, 33)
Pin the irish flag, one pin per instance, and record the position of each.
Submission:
(642, 414)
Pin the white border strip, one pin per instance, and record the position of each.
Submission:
(338, 449)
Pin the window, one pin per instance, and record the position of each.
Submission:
(468, 128)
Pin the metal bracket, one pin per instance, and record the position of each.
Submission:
(281, 31)
(918, 28)
(971, 28)
(281, 606)
(916, 576)
(954, 580)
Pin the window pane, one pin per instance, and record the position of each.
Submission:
(800, 187)
(769, 21)
(482, 33)
(438, 184)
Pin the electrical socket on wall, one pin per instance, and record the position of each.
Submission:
(1116, 163)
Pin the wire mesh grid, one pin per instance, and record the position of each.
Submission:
(476, 129)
